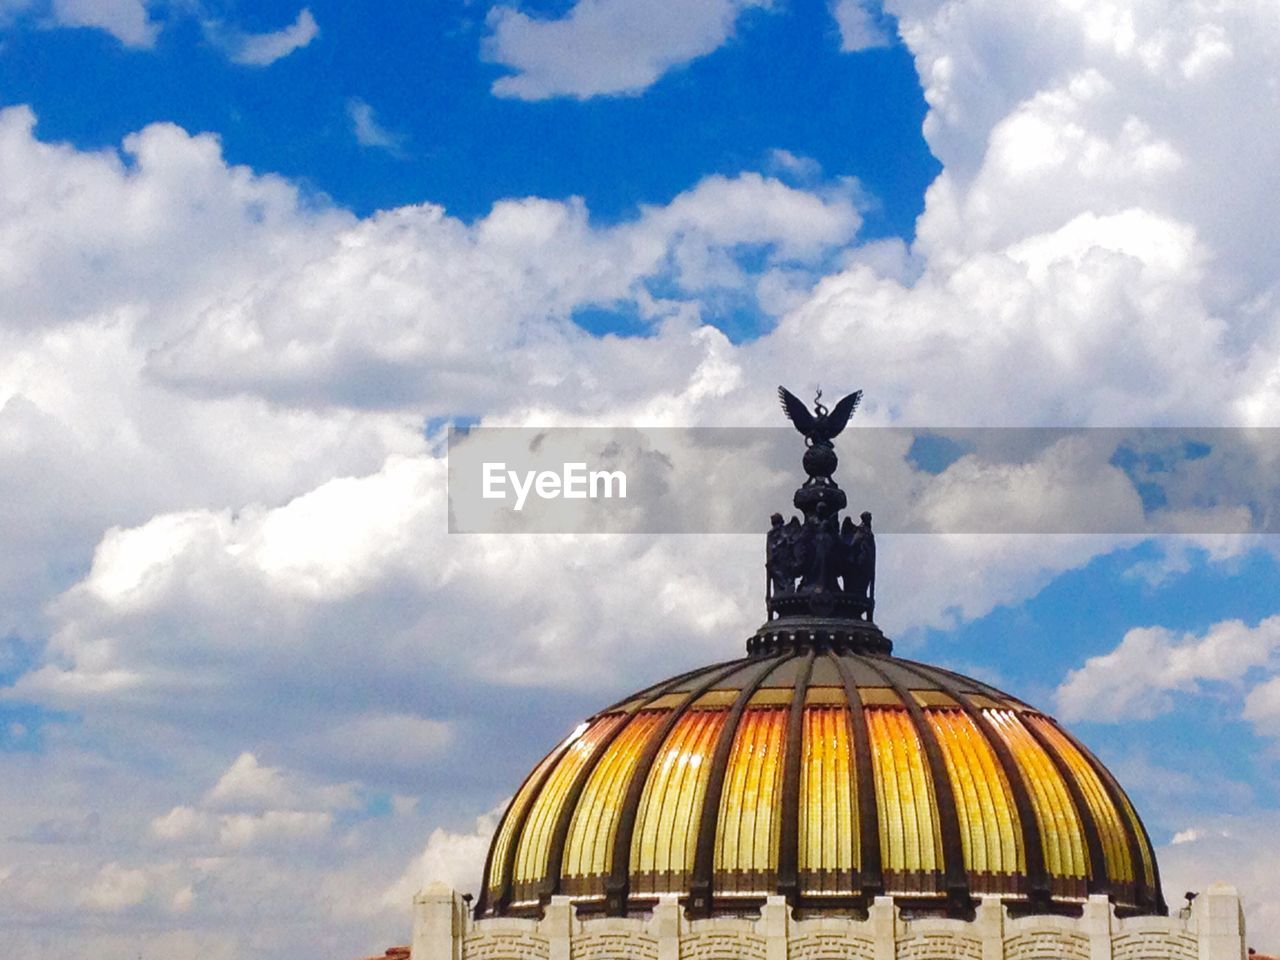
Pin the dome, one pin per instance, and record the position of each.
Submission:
(829, 776)
(820, 767)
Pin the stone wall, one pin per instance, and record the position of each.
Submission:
(1212, 930)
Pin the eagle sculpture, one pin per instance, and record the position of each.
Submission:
(821, 426)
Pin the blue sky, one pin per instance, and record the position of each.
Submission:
(461, 147)
(254, 258)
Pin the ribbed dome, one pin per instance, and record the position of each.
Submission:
(828, 776)
(820, 767)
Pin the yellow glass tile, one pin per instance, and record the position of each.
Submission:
(879, 697)
(996, 792)
(934, 698)
(1061, 834)
(747, 826)
(717, 699)
(989, 827)
(668, 701)
(502, 842)
(825, 696)
(589, 845)
(728, 825)
(771, 697)
(827, 837)
(850, 824)
(910, 836)
(1144, 848)
(1115, 845)
(666, 831)
(535, 839)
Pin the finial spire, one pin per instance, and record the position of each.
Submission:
(820, 571)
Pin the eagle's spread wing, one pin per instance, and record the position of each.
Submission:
(843, 411)
(796, 412)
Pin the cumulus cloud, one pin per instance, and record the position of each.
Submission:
(860, 29)
(1138, 678)
(127, 20)
(225, 523)
(369, 132)
(256, 804)
(518, 275)
(454, 858)
(116, 888)
(602, 47)
(262, 49)
(1224, 849)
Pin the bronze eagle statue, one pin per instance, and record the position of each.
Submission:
(821, 426)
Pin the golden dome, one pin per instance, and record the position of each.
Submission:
(820, 767)
(829, 776)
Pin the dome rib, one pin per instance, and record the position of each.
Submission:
(955, 877)
(1037, 871)
(1146, 873)
(700, 887)
(1098, 875)
(555, 853)
(871, 865)
(489, 903)
(789, 821)
(618, 883)
(536, 780)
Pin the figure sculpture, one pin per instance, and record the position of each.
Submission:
(819, 566)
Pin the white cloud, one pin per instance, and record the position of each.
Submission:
(859, 28)
(368, 132)
(183, 823)
(126, 20)
(117, 888)
(1137, 678)
(242, 829)
(602, 47)
(455, 859)
(1233, 850)
(220, 508)
(247, 782)
(252, 805)
(382, 305)
(263, 49)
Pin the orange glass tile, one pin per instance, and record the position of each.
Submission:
(989, 826)
(910, 835)
(828, 846)
(1061, 833)
(1110, 821)
(502, 841)
(666, 830)
(747, 829)
(535, 839)
(589, 845)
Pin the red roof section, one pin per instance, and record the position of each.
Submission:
(393, 953)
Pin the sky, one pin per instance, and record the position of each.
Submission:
(255, 260)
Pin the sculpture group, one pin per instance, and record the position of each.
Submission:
(820, 565)
(817, 556)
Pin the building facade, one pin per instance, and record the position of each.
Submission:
(1212, 928)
